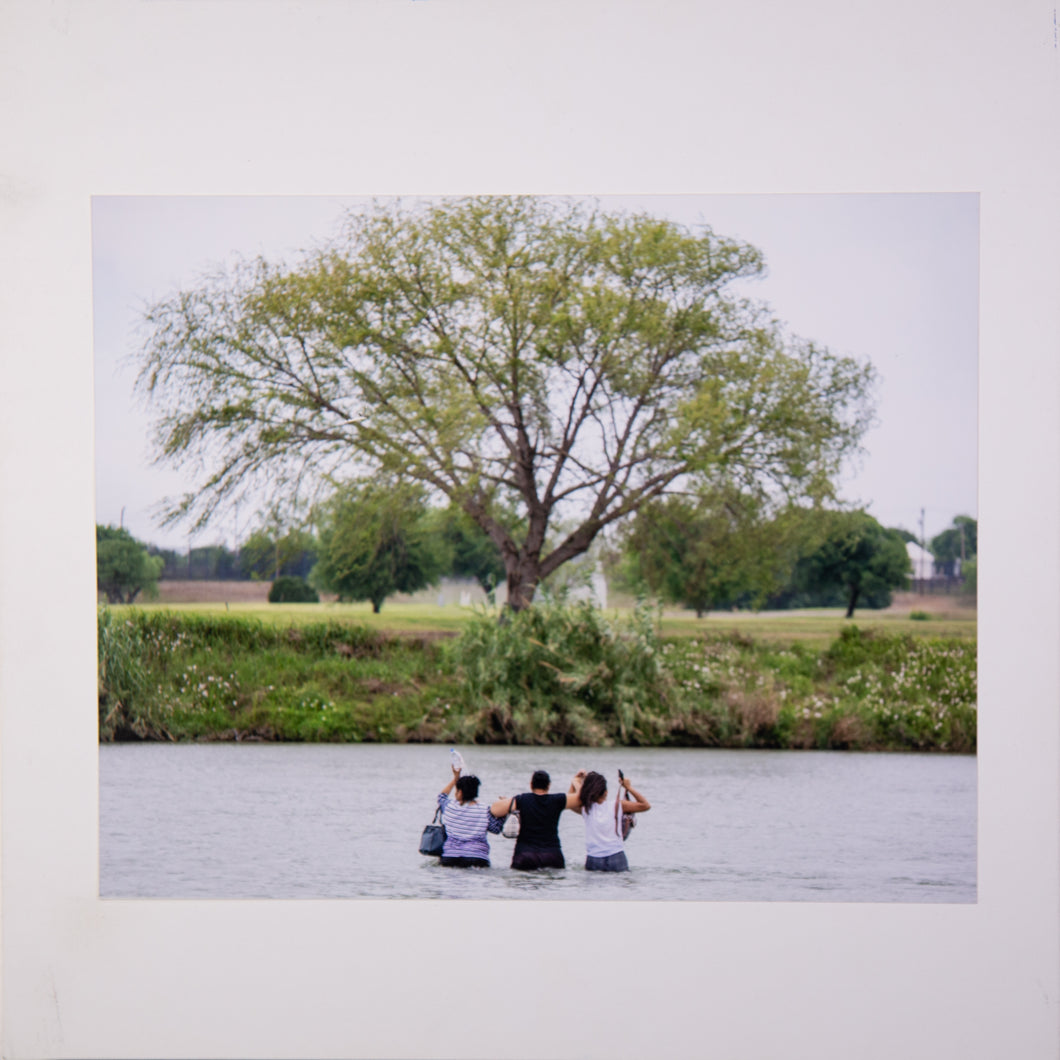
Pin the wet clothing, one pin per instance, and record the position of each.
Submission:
(611, 863)
(538, 859)
(464, 863)
(603, 828)
(538, 844)
(466, 826)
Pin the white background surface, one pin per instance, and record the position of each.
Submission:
(444, 96)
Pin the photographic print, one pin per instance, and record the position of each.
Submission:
(695, 439)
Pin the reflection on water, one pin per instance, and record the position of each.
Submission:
(343, 821)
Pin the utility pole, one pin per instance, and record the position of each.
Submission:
(923, 551)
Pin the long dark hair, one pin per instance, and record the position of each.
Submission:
(593, 786)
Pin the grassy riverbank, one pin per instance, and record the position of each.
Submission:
(215, 675)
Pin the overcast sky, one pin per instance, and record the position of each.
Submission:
(887, 278)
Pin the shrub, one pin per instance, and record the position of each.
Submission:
(555, 674)
(291, 590)
(919, 616)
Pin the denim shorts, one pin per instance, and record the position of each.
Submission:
(612, 863)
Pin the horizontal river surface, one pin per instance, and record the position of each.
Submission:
(344, 821)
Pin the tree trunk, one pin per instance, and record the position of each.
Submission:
(522, 584)
(376, 605)
(855, 592)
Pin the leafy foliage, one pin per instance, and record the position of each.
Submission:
(866, 691)
(289, 590)
(207, 677)
(855, 558)
(124, 568)
(712, 550)
(562, 674)
(535, 361)
(580, 679)
(377, 540)
(126, 709)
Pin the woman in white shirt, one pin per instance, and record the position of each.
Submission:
(604, 845)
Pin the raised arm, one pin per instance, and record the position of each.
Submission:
(499, 807)
(574, 801)
(638, 804)
(452, 781)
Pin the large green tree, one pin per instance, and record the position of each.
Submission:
(856, 556)
(711, 550)
(377, 539)
(124, 567)
(538, 362)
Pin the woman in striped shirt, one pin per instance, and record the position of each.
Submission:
(466, 824)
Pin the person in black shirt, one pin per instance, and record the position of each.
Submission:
(539, 812)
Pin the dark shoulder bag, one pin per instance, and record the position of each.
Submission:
(433, 838)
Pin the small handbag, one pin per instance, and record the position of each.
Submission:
(433, 838)
(628, 822)
(511, 822)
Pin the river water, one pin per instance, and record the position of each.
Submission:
(344, 821)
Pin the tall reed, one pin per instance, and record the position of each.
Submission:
(126, 710)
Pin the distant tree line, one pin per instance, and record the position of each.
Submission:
(372, 539)
(715, 550)
(722, 550)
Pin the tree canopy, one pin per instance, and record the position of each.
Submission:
(711, 550)
(856, 556)
(376, 540)
(124, 567)
(537, 362)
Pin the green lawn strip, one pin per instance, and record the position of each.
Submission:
(820, 627)
(395, 617)
(816, 628)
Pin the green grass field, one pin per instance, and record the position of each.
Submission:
(818, 627)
